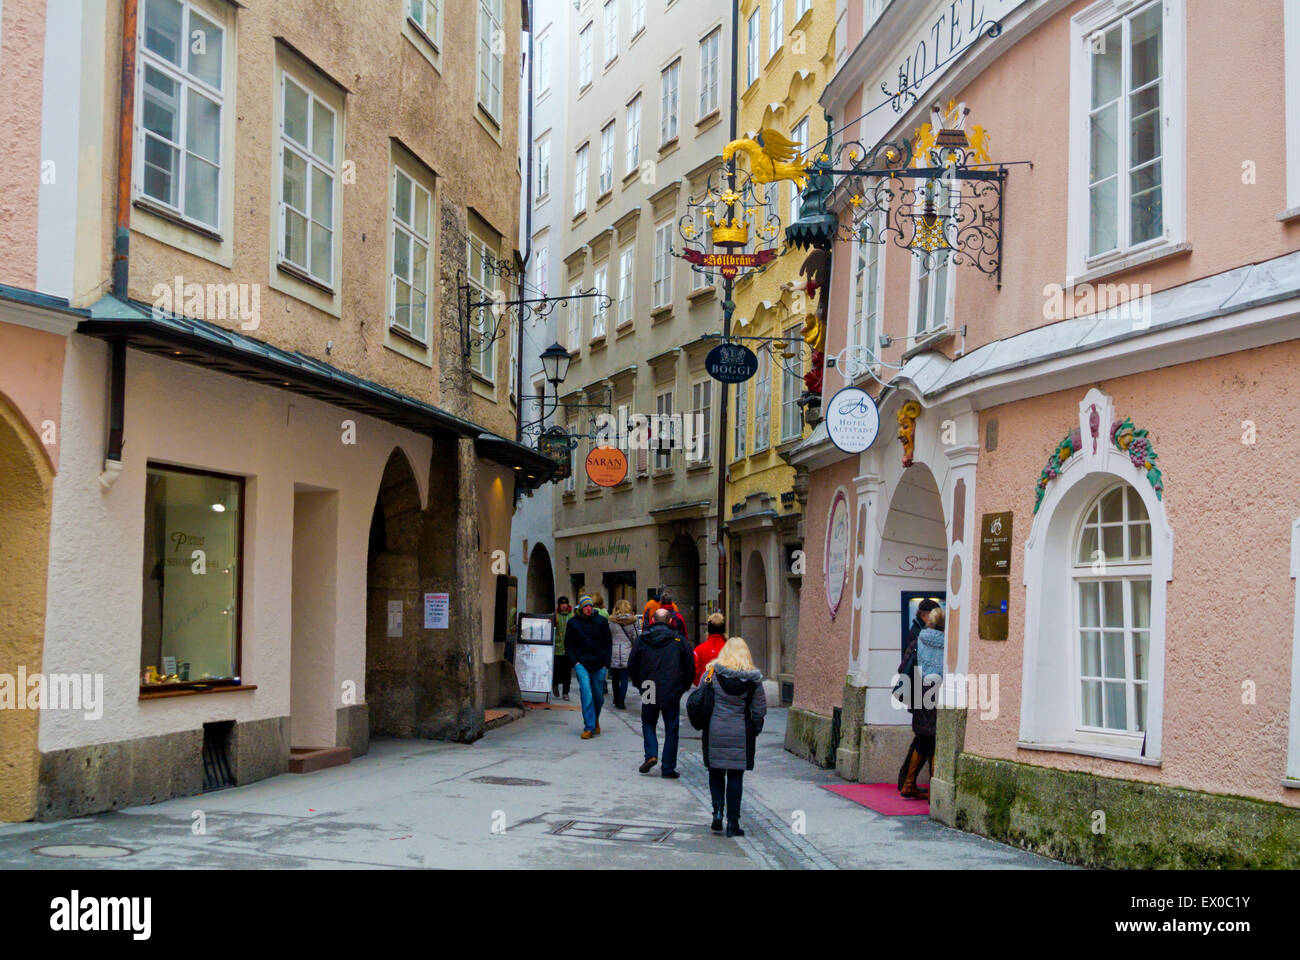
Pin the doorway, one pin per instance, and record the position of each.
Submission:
(681, 575)
(753, 611)
(314, 605)
(621, 585)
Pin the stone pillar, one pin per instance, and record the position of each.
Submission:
(854, 712)
(949, 741)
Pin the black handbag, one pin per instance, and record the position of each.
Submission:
(902, 691)
(699, 705)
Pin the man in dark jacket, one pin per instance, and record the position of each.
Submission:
(588, 643)
(661, 667)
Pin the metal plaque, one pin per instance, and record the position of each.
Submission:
(995, 545)
(995, 592)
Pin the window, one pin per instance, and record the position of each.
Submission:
(598, 317)
(701, 405)
(864, 308)
(763, 401)
(571, 427)
(1127, 130)
(584, 56)
(1112, 576)
(663, 279)
(606, 159)
(426, 14)
(932, 276)
(776, 27)
(800, 136)
(412, 243)
(543, 168)
(667, 431)
(491, 55)
(626, 259)
(307, 182)
(740, 426)
(575, 317)
(480, 256)
(792, 387)
(633, 134)
(670, 82)
(638, 16)
(541, 267)
(752, 30)
(801, 7)
(542, 64)
(709, 47)
(178, 126)
(702, 279)
(191, 608)
(580, 181)
(611, 30)
(873, 11)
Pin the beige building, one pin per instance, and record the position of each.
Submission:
(282, 479)
(647, 121)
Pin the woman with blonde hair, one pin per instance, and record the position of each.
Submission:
(622, 628)
(733, 708)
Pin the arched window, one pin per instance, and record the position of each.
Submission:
(1111, 573)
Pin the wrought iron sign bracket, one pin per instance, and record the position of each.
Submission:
(479, 339)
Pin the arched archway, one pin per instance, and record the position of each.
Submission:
(681, 574)
(753, 610)
(26, 487)
(539, 593)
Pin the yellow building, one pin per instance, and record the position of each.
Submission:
(786, 54)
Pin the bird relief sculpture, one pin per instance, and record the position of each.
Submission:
(772, 156)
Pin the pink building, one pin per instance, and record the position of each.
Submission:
(1095, 365)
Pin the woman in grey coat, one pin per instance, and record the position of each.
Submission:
(739, 706)
(623, 631)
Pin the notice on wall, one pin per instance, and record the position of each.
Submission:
(995, 595)
(534, 666)
(995, 545)
(394, 618)
(437, 607)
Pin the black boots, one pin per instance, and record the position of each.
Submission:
(733, 829)
(716, 825)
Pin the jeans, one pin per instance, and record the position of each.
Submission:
(618, 676)
(591, 690)
(650, 713)
(728, 782)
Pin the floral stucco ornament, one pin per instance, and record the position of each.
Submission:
(1129, 440)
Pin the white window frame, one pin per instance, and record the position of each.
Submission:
(792, 388)
(710, 55)
(611, 31)
(638, 17)
(925, 268)
(313, 161)
(702, 403)
(491, 20)
(431, 30)
(670, 88)
(483, 363)
(801, 7)
(1083, 27)
(702, 279)
(599, 317)
(1049, 675)
(799, 134)
(663, 454)
(543, 169)
(585, 55)
(763, 402)
(633, 146)
(575, 318)
(420, 245)
(1291, 56)
(662, 293)
(580, 165)
(739, 430)
(865, 312)
(775, 27)
(543, 64)
(626, 288)
(606, 181)
(189, 84)
(541, 266)
(753, 36)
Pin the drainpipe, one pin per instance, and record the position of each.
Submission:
(528, 239)
(121, 246)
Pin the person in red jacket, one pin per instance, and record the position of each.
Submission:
(707, 651)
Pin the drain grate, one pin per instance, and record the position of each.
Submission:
(601, 830)
(82, 851)
(511, 781)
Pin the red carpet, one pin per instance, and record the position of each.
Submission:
(882, 798)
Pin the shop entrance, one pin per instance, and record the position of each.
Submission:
(621, 585)
(681, 575)
(539, 594)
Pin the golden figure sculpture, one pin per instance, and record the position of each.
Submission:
(771, 157)
(907, 415)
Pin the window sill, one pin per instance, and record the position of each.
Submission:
(405, 337)
(1090, 750)
(636, 36)
(580, 216)
(929, 341)
(423, 34)
(486, 114)
(773, 58)
(569, 496)
(592, 492)
(630, 177)
(1286, 216)
(575, 353)
(708, 119)
(624, 485)
(623, 328)
(171, 216)
(1291, 783)
(667, 147)
(482, 380)
(541, 199)
(153, 693)
(659, 314)
(699, 466)
(597, 343)
(704, 293)
(604, 197)
(609, 63)
(582, 90)
(1112, 267)
(660, 474)
(299, 274)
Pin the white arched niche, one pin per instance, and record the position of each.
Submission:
(1050, 689)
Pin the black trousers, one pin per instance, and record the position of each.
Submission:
(562, 676)
(727, 785)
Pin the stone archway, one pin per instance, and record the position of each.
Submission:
(680, 573)
(539, 593)
(26, 490)
(753, 610)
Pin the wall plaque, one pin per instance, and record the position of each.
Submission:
(994, 594)
(995, 545)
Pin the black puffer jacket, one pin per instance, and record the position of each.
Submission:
(587, 641)
(664, 658)
(732, 730)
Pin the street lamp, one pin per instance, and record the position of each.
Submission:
(555, 361)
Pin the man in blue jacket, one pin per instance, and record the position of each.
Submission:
(588, 643)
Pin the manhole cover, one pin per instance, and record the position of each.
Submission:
(601, 830)
(511, 781)
(83, 851)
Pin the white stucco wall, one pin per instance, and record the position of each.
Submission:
(185, 415)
